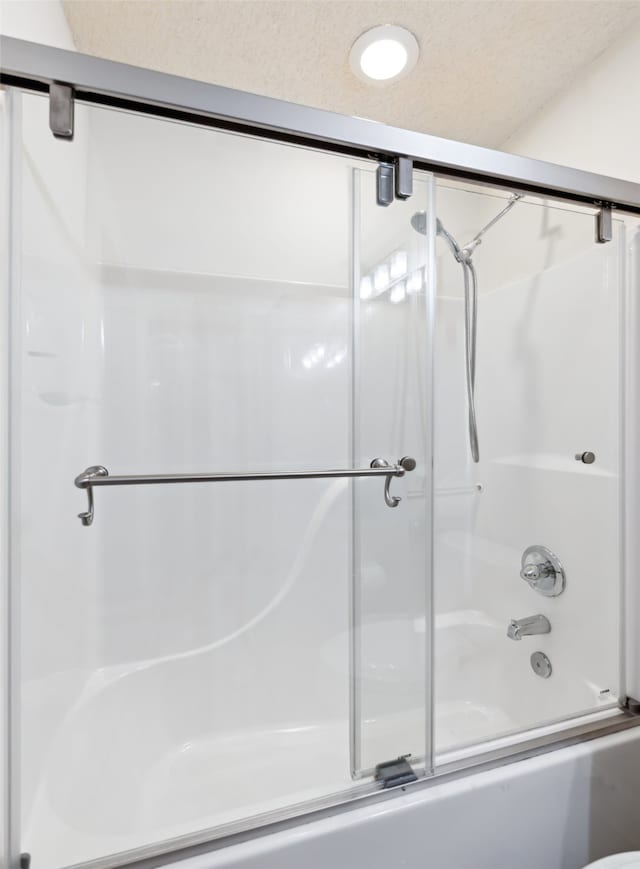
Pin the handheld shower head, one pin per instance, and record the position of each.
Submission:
(419, 223)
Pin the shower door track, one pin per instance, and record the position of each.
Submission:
(36, 67)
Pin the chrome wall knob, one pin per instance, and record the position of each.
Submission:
(542, 569)
(532, 572)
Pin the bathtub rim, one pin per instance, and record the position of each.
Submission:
(198, 843)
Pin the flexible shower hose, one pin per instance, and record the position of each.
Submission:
(470, 333)
(463, 256)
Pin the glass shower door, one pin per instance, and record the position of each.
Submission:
(549, 396)
(202, 656)
(391, 607)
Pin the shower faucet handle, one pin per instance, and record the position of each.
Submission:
(542, 569)
(533, 572)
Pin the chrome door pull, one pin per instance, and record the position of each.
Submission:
(97, 475)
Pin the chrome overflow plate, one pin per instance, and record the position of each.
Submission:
(541, 665)
(542, 569)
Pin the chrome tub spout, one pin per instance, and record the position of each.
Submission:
(527, 627)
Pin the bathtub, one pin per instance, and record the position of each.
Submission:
(145, 754)
(485, 687)
(559, 810)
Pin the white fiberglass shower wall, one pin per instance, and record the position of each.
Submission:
(214, 656)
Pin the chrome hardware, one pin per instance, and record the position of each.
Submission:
(541, 665)
(61, 111)
(96, 475)
(406, 463)
(395, 772)
(384, 184)
(531, 626)
(475, 489)
(404, 178)
(588, 458)
(469, 248)
(90, 474)
(604, 225)
(394, 180)
(544, 572)
(269, 117)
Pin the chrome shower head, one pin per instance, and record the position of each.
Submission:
(419, 223)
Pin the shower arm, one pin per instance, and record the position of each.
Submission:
(468, 249)
(97, 475)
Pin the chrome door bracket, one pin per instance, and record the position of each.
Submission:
(61, 100)
(384, 184)
(604, 225)
(394, 181)
(404, 178)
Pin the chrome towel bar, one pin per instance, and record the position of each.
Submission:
(97, 475)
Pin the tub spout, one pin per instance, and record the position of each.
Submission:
(519, 628)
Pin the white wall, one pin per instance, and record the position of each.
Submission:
(593, 123)
(36, 21)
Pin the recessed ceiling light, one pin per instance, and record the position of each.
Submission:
(384, 54)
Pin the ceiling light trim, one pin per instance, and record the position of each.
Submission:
(402, 52)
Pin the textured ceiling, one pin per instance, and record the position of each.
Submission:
(485, 65)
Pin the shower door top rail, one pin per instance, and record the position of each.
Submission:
(104, 82)
(98, 475)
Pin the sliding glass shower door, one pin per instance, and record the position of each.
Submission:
(188, 301)
(529, 540)
(392, 548)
